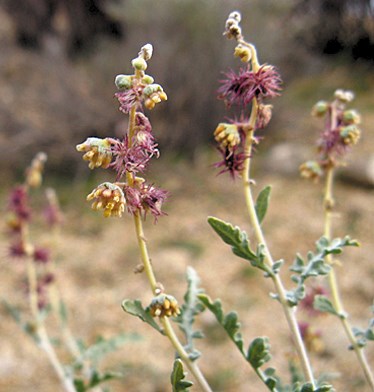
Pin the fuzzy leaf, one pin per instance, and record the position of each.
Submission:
(135, 308)
(239, 242)
(229, 322)
(190, 308)
(27, 327)
(323, 304)
(262, 203)
(102, 347)
(97, 378)
(177, 377)
(259, 352)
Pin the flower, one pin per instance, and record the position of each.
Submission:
(109, 197)
(144, 198)
(164, 305)
(18, 203)
(97, 152)
(42, 255)
(227, 135)
(233, 161)
(241, 88)
(128, 98)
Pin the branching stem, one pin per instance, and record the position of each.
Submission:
(333, 283)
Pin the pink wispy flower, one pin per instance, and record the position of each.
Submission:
(240, 88)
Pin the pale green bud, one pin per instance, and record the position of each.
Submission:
(351, 117)
(320, 108)
(139, 63)
(123, 82)
(147, 79)
(152, 88)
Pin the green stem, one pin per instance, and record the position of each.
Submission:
(247, 182)
(168, 329)
(333, 283)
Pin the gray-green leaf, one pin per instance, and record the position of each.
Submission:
(177, 377)
(259, 352)
(262, 203)
(135, 308)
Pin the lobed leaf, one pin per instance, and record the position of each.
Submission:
(135, 308)
(323, 304)
(229, 322)
(239, 242)
(259, 352)
(177, 377)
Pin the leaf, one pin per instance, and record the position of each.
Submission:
(262, 203)
(28, 327)
(229, 322)
(190, 308)
(79, 385)
(177, 377)
(97, 378)
(102, 347)
(135, 308)
(323, 304)
(239, 242)
(259, 352)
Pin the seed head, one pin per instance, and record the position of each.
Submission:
(350, 135)
(227, 135)
(311, 170)
(97, 152)
(164, 305)
(108, 197)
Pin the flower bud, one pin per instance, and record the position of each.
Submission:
(264, 115)
(320, 109)
(146, 52)
(139, 64)
(351, 117)
(344, 95)
(235, 15)
(227, 135)
(123, 82)
(164, 305)
(34, 171)
(243, 53)
(147, 79)
(350, 135)
(108, 197)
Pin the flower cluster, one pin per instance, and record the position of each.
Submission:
(164, 305)
(18, 220)
(130, 155)
(248, 87)
(340, 133)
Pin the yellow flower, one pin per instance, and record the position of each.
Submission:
(97, 152)
(108, 197)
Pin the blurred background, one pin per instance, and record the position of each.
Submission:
(58, 60)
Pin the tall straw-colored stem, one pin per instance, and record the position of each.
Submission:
(148, 269)
(333, 283)
(288, 311)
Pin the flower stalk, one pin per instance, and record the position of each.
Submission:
(333, 282)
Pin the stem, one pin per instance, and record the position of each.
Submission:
(168, 329)
(41, 331)
(289, 313)
(333, 283)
